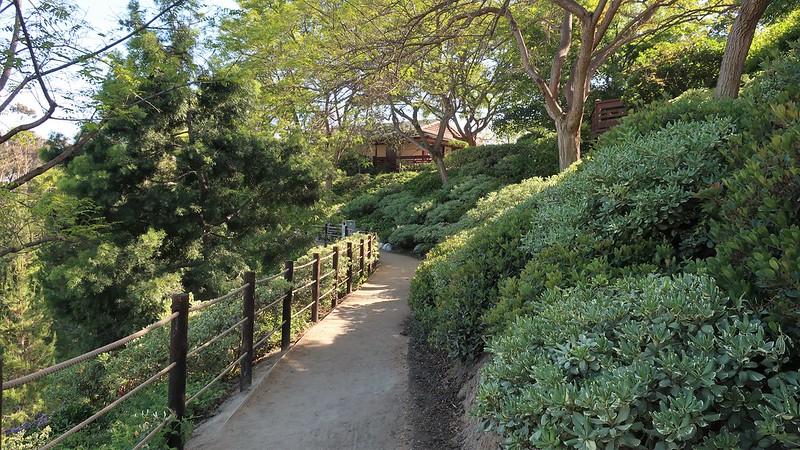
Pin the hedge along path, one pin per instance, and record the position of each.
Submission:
(343, 385)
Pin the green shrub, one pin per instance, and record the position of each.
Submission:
(510, 163)
(639, 198)
(496, 203)
(757, 235)
(361, 206)
(408, 236)
(651, 363)
(453, 291)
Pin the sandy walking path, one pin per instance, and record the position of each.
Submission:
(344, 385)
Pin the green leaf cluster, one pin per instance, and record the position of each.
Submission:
(649, 362)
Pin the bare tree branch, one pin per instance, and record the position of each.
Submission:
(28, 245)
(10, 56)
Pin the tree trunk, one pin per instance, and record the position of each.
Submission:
(737, 47)
(569, 142)
(438, 159)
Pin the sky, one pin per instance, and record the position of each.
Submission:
(103, 16)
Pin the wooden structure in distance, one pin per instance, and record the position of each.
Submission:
(606, 115)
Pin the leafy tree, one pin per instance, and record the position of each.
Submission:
(182, 183)
(303, 93)
(584, 37)
(27, 342)
(668, 69)
(342, 68)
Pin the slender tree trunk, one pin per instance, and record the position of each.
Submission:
(568, 131)
(438, 159)
(738, 45)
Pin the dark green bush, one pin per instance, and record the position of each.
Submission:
(452, 292)
(650, 363)
(393, 205)
(669, 68)
(408, 236)
(757, 235)
(510, 163)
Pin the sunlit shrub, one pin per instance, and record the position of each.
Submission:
(650, 363)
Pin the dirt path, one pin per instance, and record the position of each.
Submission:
(343, 386)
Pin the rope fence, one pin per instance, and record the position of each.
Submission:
(338, 271)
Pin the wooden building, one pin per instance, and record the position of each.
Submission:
(395, 151)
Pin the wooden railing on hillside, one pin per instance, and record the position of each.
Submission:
(357, 268)
(396, 162)
(606, 115)
(330, 232)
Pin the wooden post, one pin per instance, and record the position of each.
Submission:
(335, 298)
(248, 312)
(178, 345)
(369, 254)
(286, 329)
(376, 253)
(1, 397)
(325, 234)
(349, 267)
(315, 289)
(361, 258)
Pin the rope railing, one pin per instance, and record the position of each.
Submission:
(264, 308)
(329, 292)
(216, 379)
(305, 308)
(359, 258)
(215, 338)
(305, 266)
(269, 335)
(305, 286)
(214, 301)
(86, 356)
(154, 431)
(108, 408)
(327, 275)
(270, 278)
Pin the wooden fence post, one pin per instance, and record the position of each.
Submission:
(286, 329)
(1, 397)
(315, 289)
(335, 298)
(361, 258)
(349, 267)
(178, 346)
(248, 312)
(369, 254)
(375, 249)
